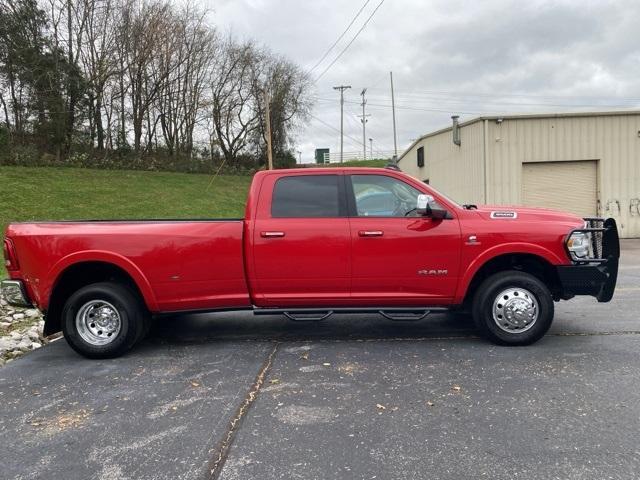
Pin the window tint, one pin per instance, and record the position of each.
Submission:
(306, 196)
(382, 196)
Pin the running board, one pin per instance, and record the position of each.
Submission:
(398, 314)
(311, 316)
(410, 316)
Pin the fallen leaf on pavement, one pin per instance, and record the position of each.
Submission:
(380, 407)
(274, 381)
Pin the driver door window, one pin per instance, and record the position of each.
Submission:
(382, 196)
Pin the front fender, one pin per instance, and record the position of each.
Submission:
(513, 248)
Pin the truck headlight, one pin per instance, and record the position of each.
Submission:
(579, 245)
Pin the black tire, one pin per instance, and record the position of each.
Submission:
(130, 311)
(487, 294)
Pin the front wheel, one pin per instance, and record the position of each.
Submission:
(513, 308)
(103, 320)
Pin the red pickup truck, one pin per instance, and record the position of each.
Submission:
(313, 242)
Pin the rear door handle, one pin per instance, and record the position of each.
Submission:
(272, 234)
(370, 233)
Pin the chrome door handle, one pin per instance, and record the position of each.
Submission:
(370, 233)
(272, 234)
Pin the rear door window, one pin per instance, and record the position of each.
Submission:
(308, 196)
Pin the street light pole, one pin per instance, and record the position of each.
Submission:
(342, 88)
(370, 147)
(364, 120)
(393, 113)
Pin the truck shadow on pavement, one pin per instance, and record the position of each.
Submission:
(245, 326)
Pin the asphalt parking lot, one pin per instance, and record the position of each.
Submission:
(237, 397)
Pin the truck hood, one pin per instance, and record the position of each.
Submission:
(502, 212)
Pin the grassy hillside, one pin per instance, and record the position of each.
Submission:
(71, 194)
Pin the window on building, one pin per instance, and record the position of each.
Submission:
(421, 157)
(306, 196)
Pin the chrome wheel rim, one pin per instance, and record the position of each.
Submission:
(515, 310)
(98, 322)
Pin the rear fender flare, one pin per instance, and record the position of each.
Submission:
(107, 257)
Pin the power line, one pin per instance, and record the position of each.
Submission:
(402, 107)
(497, 102)
(335, 129)
(454, 101)
(416, 92)
(349, 44)
(339, 38)
(483, 107)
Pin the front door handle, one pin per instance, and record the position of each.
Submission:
(370, 233)
(272, 234)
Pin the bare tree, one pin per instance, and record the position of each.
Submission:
(145, 29)
(288, 88)
(235, 108)
(104, 74)
(98, 60)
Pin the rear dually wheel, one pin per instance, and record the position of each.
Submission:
(103, 320)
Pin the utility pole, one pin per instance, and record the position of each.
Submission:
(268, 130)
(363, 119)
(370, 147)
(342, 88)
(393, 113)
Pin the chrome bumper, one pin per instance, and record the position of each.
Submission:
(14, 292)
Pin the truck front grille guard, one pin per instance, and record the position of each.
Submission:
(596, 236)
(604, 239)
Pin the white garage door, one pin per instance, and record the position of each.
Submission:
(565, 186)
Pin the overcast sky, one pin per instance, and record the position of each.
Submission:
(447, 57)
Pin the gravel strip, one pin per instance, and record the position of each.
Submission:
(20, 331)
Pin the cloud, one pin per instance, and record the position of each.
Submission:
(448, 56)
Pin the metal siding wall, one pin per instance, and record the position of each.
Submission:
(455, 170)
(613, 140)
(409, 163)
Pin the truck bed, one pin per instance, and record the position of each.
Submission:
(177, 264)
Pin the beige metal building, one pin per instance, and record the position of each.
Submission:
(586, 163)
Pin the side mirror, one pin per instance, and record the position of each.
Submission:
(422, 204)
(427, 206)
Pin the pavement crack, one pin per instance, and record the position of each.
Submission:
(222, 451)
(594, 334)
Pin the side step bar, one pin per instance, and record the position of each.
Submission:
(317, 314)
